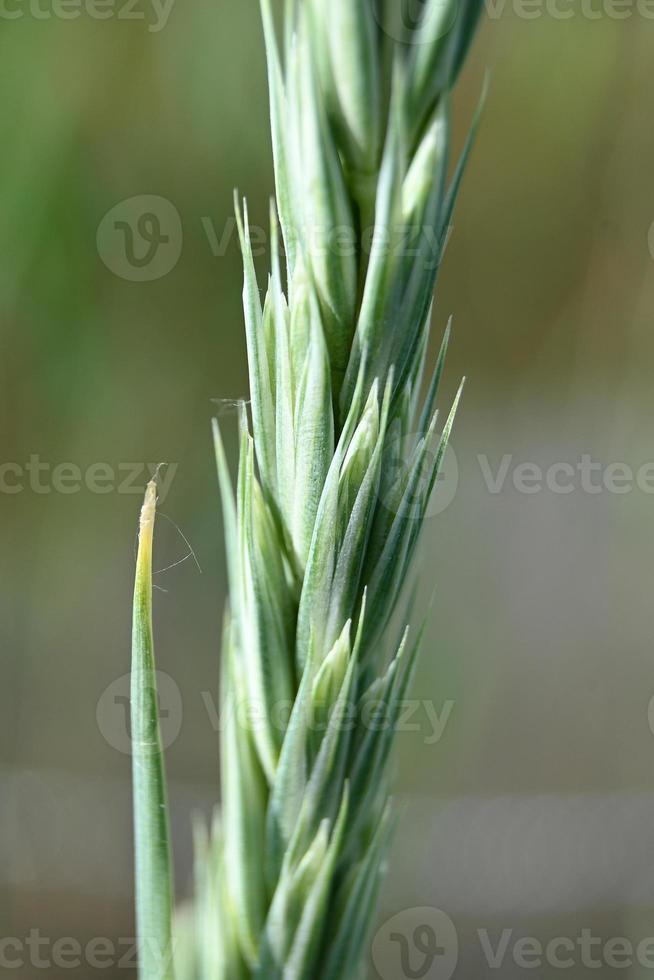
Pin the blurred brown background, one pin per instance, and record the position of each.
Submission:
(534, 810)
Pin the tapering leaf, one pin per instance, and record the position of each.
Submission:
(314, 434)
(151, 830)
(355, 904)
(326, 214)
(301, 962)
(282, 148)
(264, 610)
(374, 322)
(437, 55)
(314, 600)
(345, 41)
(244, 802)
(261, 386)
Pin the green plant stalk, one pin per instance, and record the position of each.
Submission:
(326, 515)
(151, 831)
(339, 455)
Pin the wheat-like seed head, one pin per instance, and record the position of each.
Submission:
(326, 515)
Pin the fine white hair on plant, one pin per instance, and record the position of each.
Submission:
(324, 519)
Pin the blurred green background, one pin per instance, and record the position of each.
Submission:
(535, 809)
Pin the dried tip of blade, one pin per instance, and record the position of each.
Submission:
(146, 534)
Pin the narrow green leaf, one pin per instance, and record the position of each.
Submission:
(228, 505)
(361, 500)
(430, 400)
(426, 175)
(455, 186)
(282, 147)
(284, 421)
(216, 944)
(263, 610)
(430, 48)
(375, 323)
(355, 904)
(344, 36)
(291, 777)
(442, 43)
(261, 384)
(445, 439)
(326, 214)
(154, 878)
(332, 673)
(289, 898)
(371, 756)
(244, 805)
(462, 34)
(302, 959)
(387, 570)
(327, 782)
(314, 434)
(314, 599)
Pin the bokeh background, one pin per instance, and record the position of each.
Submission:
(534, 810)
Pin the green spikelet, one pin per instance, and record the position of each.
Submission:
(323, 519)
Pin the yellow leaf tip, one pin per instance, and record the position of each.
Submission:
(149, 506)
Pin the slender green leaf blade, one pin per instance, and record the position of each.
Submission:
(154, 886)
